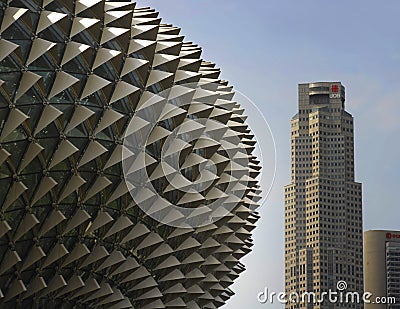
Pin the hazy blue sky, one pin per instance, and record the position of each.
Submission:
(265, 48)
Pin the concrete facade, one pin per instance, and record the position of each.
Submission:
(323, 203)
(382, 266)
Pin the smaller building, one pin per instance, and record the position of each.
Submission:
(382, 266)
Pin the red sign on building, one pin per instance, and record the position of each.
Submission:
(390, 235)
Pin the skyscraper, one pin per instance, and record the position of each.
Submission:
(323, 203)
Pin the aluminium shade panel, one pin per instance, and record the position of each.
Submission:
(71, 235)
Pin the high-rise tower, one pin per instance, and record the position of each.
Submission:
(382, 268)
(323, 203)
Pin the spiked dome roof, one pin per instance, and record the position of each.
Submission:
(77, 77)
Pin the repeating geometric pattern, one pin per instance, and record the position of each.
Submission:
(72, 76)
(183, 164)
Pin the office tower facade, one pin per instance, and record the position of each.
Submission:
(73, 234)
(382, 268)
(323, 203)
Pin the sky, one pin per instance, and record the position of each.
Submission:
(264, 49)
